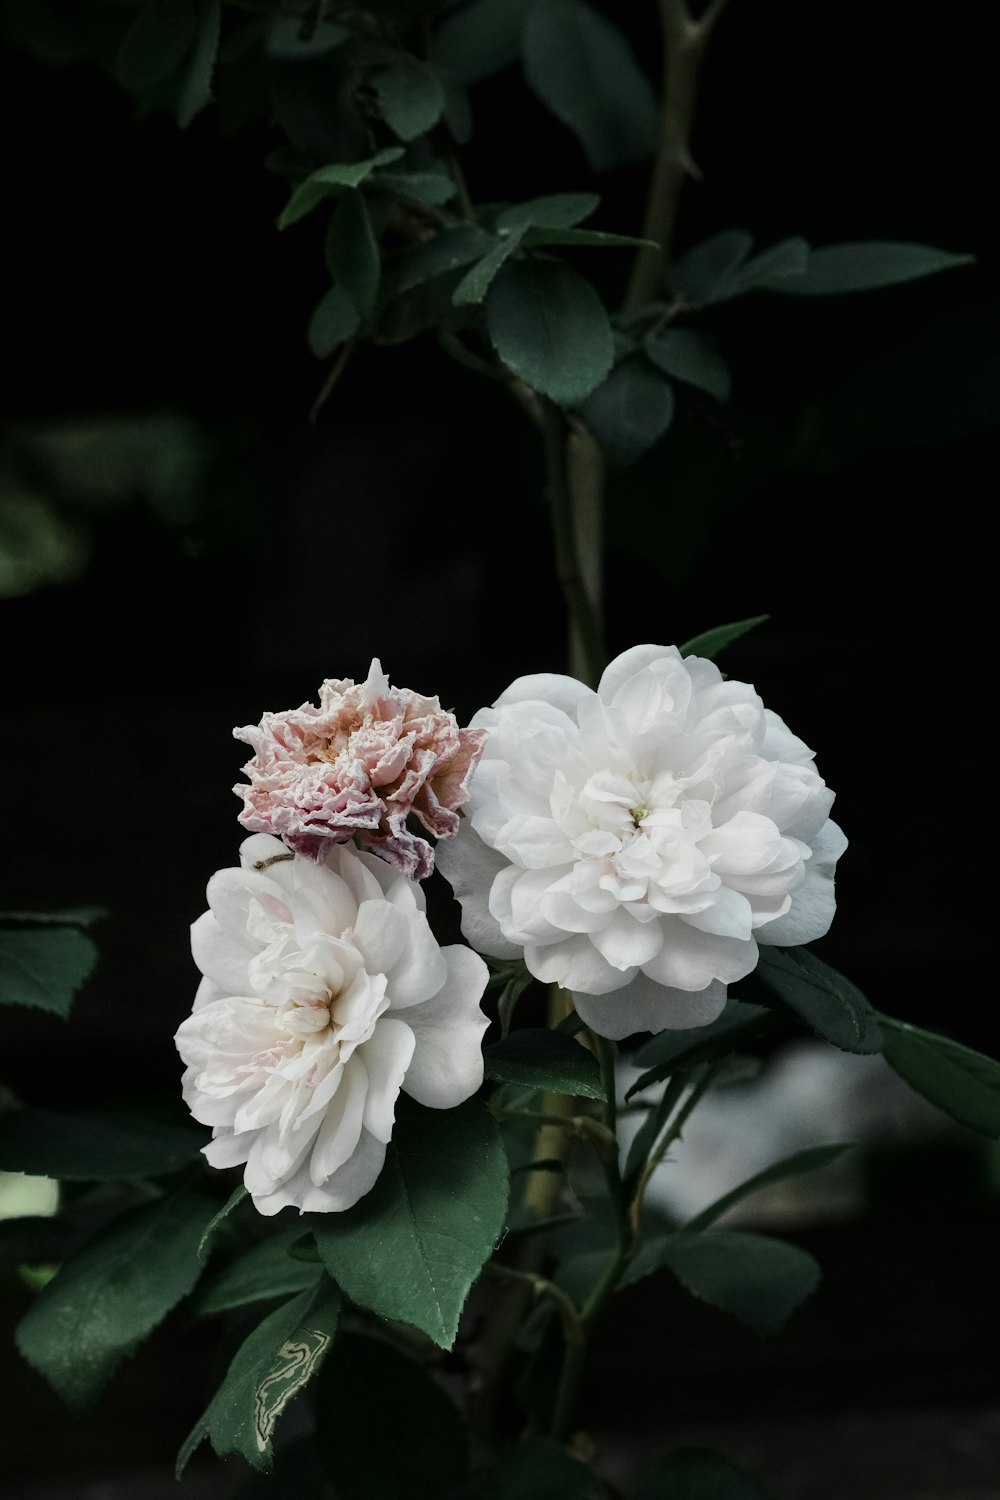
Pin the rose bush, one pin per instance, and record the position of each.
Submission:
(324, 993)
(636, 843)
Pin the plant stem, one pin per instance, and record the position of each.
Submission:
(667, 1139)
(586, 636)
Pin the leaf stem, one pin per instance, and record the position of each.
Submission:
(667, 1139)
(585, 628)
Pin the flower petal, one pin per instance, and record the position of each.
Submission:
(447, 1064)
(628, 665)
(470, 867)
(386, 1055)
(814, 902)
(576, 965)
(646, 1006)
(220, 957)
(626, 943)
(690, 960)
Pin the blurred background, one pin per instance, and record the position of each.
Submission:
(180, 549)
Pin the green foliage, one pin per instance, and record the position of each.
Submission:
(711, 642)
(411, 96)
(535, 1058)
(630, 411)
(112, 1293)
(335, 319)
(963, 1083)
(412, 1247)
(95, 1145)
(583, 70)
(537, 1468)
(554, 211)
(326, 181)
(44, 960)
(234, 1200)
(265, 1271)
(698, 1474)
(549, 328)
(864, 267)
(429, 188)
(757, 1279)
(828, 1003)
(269, 1369)
(692, 358)
(477, 40)
(196, 90)
(812, 1159)
(352, 253)
(671, 1051)
(385, 1428)
(157, 42)
(476, 283)
(448, 251)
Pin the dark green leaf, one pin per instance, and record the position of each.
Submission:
(196, 91)
(352, 251)
(447, 251)
(233, 1201)
(550, 328)
(385, 1428)
(156, 43)
(555, 211)
(94, 1146)
(699, 1474)
(702, 275)
(480, 38)
(692, 358)
(113, 1292)
(265, 1271)
(509, 996)
(673, 1050)
(963, 1083)
(580, 66)
(329, 180)
(828, 1003)
(335, 319)
(536, 1468)
(412, 1247)
(758, 1280)
(287, 39)
(648, 1133)
(766, 271)
(44, 966)
(595, 237)
(271, 1367)
(865, 266)
(812, 1159)
(476, 283)
(711, 642)
(631, 411)
(429, 188)
(536, 1058)
(411, 96)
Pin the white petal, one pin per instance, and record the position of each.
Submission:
(626, 943)
(219, 957)
(387, 1056)
(470, 867)
(748, 844)
(447, 1064)
(576, 965)
(380, 935)
(519, 893)
(645, 1006)
(231, 895)
(565, 693)
(814, 902)
(421, 968)
(729, 915)
(207, 993)
(340, 1129)
(618, 672)
(342, 1190)
(366, 877)
(534, 842)
(690, 960)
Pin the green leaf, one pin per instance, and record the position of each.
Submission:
(446, 252)
(334, 320)
(328, 180)
(271, 1367)
(511, 993)
(412, 1247)
(865, 266)
(71, 916)
(114, 1292)
(550, 328)
(429, 188)
(536, 1468)
(582, 68)
(812, 1159)
(411, 95)
(233, 1201)
(759, 1280)
(828, 1003)
(44, 966)
(156, 43)
(692, 358)
(476, 283)
(598, 238)
(631, 411)
(94, 1146)
(963, 1083)
(673, 1050)
(285, 38)
(196, 91)
(385, 1428)
(265, 1271)
(711, 642)
(701, 276)
(767, 271)
(352, 252)
(536, 1058)
(555, 211)
(699, 1474)
(480, 38)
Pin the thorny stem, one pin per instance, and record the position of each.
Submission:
(584, 620)
(667, 1139)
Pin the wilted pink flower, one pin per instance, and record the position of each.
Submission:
(358, 765)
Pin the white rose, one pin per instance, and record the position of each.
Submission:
(636, 843)
(325, 993)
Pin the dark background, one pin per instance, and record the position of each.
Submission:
(846, 490)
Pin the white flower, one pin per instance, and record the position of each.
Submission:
(635, 844)
(324, 993)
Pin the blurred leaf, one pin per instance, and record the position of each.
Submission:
(630, 411)
(44, 966)
(864, 266)
(759, 1280)
(536, 1468)
(580, 66)
(430, 188)
(769, 270)
(264, 1271)
(480, 38)
(702, 274)
(385, 1428)
(476, 283)
(673, 1050)
(95, 1146)
(692, 358)
(597, 238)
(113, 1292)
(963, 1083)
(411, 96)
(352, 255)
(196, 90)
(828, 1003)
(536, 1058)
(447, 251)
(234, 1200)
(296, 1474)
(334, 320)
(269, 1369)
(328, 180)
(812, 1159)
(698, 1474)
(44, 30)
(285, 38)
(156, 43)
(555, 211)
(550, 328)
(711, 642)
(412, 1247)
